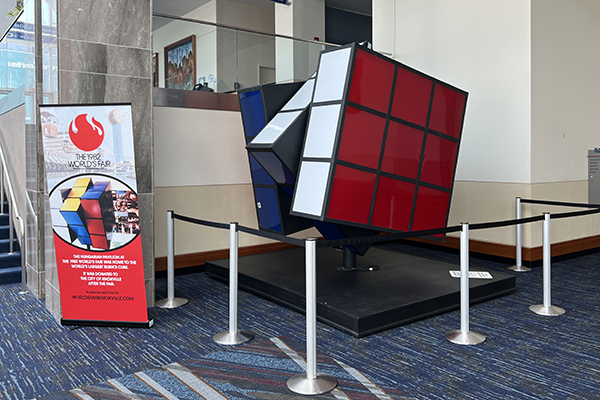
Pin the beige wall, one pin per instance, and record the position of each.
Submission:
(199, 148)
(477, 202)
(218, 203)
(201, 171)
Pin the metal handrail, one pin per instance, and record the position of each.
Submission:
(219, 25)
(13, 213)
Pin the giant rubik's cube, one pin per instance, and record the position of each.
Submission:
(89, 213)
(380, 145)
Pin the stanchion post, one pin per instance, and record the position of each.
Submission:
(546, 309)
(464, 335)
(171, 301)
(518, 267)
(311, 382)
(233, 336)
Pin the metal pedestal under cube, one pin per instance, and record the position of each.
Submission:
(361, 302)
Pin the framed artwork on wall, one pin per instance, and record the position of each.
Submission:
(180, 64)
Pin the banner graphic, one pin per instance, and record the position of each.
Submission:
(92, 190)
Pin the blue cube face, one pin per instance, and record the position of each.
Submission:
(253, 114)
(268, 208)
(259, 175)
(72, 217)
(85, 240)
(79, 230)
(275, 167)
(92, 194)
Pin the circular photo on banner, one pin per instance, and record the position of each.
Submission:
(95, 212)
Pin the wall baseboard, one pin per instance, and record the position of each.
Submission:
(532, 256)
(198, 259)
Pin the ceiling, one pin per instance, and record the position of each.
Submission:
(179, 8)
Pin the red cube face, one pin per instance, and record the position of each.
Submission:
(372, 79)
(411, 97)
(383, 145)
(361, 138)
(352, 194)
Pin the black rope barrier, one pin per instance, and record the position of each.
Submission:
(256, 232)
(201, 221)
(559, 203)
(575, 214)
(510, 222)
(403, 235)
(386, 238)
(271, 235)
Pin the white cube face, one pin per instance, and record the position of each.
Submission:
(311, 186)
(275, 127)
(322, 131)
(331, 75)
(302, 98)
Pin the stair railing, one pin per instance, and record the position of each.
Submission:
(13, 212)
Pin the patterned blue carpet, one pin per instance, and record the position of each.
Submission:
(525, 356)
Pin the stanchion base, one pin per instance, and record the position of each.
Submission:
(174, 303)
(519, 268)
(469, 338)
(233, 338)
(302, 384)
(551, 311)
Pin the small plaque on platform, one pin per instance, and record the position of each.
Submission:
(473, 274)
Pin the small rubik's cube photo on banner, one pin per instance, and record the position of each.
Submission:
(92, 191)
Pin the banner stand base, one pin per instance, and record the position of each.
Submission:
(113, 324)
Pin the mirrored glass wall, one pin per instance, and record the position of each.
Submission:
(190, 53)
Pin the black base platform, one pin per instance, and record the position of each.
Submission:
(361, 302)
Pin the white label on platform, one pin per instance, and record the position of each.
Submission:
(473, 274)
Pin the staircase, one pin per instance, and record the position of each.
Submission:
(10, 264)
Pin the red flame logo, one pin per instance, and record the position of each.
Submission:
(86, 133)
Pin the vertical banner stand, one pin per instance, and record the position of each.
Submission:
(546, 309)
(233, 336)
(171, 301)
(464, 335)
(311, 382)
(518, 267)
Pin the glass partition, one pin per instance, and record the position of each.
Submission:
(17, 58)
(222, 59)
